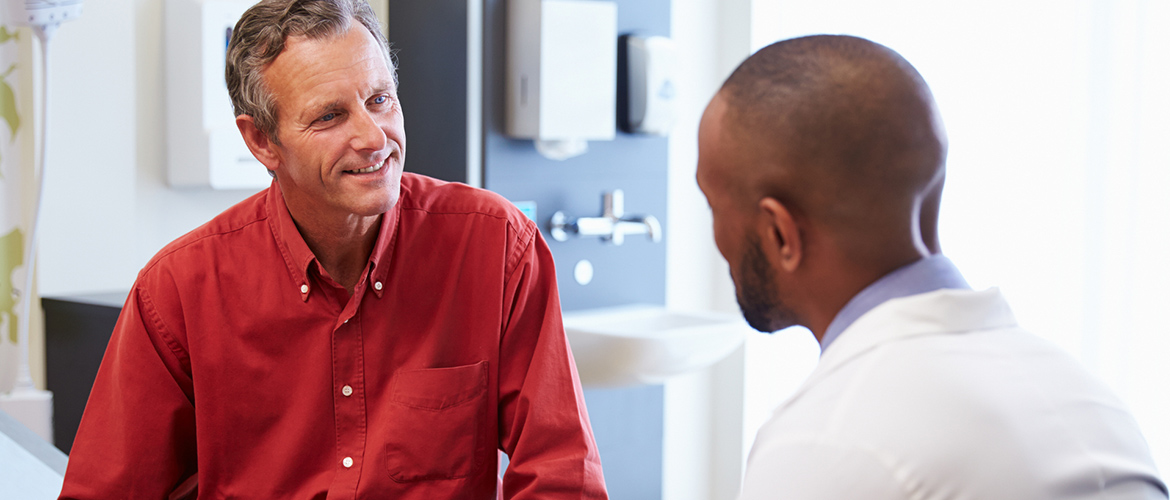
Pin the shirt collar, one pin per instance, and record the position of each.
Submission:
(924, 275)
(298, 257)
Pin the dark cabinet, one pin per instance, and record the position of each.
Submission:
(77, 330)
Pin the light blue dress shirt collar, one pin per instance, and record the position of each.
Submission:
(924, 275)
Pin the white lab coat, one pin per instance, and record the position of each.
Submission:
(943, 396)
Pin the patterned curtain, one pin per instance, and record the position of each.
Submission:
(16, 157)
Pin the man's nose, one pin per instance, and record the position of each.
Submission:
(367, 133)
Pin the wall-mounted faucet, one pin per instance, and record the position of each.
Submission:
(612, 226)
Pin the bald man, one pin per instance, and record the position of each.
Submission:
(823, 161)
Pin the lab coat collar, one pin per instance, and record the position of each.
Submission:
(941, 312)
(924, 275)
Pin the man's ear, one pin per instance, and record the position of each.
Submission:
(258, 142)
(782, 240)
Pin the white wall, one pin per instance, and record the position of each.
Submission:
(87, 222)
(691, 280)
(107, 208)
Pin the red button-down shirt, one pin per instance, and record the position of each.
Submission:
(239, 365)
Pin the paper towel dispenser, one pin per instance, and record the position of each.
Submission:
(561, 73)
(204, 147)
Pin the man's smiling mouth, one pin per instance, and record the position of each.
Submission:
(369, 169)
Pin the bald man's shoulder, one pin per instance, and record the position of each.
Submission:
(992, 412)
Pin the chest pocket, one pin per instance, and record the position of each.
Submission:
(435, 420)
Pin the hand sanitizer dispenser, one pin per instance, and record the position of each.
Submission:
(650, 85)
(204, 147)
(561, 73)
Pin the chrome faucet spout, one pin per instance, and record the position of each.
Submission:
(612, 226)
(647, 225)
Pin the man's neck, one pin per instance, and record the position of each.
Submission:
(845, 275)
(341, 244)
(927, 274)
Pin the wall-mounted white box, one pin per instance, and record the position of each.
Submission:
(561, 69)
(650, 84)
(204, 147)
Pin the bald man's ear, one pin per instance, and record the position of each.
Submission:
(258, 142)
(782, 241)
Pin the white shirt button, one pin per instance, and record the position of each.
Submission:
(304, 288)
(378, 285)
(347, 462)
(346, 391)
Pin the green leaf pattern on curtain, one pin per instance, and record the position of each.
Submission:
(11, 257)
(11, 242)
(8, 109)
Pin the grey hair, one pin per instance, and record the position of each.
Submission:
(259, 37)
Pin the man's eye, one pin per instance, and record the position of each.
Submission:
(328, 117)
(380, 99)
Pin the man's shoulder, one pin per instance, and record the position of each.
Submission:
(242, 216)
(906, 370)
(433, 196)
(1002, 398)
(952, 376)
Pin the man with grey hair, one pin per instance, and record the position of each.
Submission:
(350, 332)
(823, 161)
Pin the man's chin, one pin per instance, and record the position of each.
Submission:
(766, 318)
(377, 209)
(766, 325)
(381, 203)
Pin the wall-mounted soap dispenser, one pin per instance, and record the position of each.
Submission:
(649, 89)
(561, 73)
(204, 147)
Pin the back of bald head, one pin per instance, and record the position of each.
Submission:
(843, 129)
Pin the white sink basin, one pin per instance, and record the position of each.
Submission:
(641, 344)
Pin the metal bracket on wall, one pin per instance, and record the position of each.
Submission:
(612, 226)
